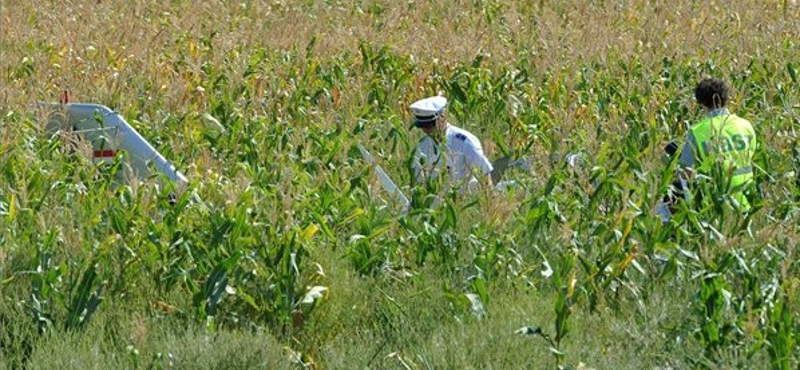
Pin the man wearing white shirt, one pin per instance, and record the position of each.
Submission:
(446, 148)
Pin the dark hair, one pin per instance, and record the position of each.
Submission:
(712, 93)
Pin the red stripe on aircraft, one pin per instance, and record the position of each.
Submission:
(105, 153)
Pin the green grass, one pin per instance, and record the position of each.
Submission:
(95, 274)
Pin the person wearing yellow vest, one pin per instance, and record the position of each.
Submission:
(720, 139)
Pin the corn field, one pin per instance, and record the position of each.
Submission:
(296, 259)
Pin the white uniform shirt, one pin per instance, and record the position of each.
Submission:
(462, 158)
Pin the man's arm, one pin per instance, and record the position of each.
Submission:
(687, 161)
(476, 159)
(426, 157)
(687, 158)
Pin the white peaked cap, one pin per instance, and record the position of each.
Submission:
(428, 109)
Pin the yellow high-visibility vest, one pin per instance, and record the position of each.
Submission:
(728, 140)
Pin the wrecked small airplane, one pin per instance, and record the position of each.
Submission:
(109, 133)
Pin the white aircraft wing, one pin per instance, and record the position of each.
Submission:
(386, 182)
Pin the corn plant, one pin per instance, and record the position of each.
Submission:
(781, 333)
(565, 283)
